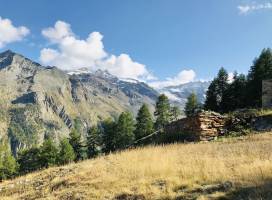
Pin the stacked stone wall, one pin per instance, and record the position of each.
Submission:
(203, 126)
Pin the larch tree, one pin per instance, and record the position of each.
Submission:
(144, 123)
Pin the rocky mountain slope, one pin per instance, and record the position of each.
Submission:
(37, 101)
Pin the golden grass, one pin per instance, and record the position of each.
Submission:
(225, 169)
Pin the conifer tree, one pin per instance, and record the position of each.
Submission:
(144, 123)
(29, 160)
(66, 153)
(8, 164)
(77, 144)
(239, 90)
(211, 102)
(261, 70)
(175, 113)
(49, 153)
(235, 96)
(216, 91)
(108, 135)
(124, 131)
(162, 112)
(192, 105)
(94, 142)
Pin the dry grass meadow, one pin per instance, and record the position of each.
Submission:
(236, 168)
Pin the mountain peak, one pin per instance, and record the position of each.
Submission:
(104, 73)
(6, 58)
(9, 57)
(7, 53)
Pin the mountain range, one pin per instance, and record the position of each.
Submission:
(38, 101)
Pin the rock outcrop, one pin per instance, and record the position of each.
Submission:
(58, 110)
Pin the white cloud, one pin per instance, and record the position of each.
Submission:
(9, 33)
(124, 67)
(245, 9)
(172, 96)
(73, 53)
(184, 76)
(58, 32)
(230, 77)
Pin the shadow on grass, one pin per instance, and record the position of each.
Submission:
(126, 196)
(227, 190)
(260, 192)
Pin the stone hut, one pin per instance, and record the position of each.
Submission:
(267, 94)
(203, 126)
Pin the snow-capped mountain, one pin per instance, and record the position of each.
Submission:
(178, 94)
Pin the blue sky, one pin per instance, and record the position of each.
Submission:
(164, 37)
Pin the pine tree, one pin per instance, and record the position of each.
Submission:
(222, 81)
(8, 164)
(211, 97)
(49, 153)
(29, 160)
(235, 96)
(93, 142)
(144, 123)
(77, 144)
(261, 70)
(162, 112)
(108, 135)
(239, 91)
(124, 131)
(66, 153)
(175, 113)
(216, 91)
(192, 105)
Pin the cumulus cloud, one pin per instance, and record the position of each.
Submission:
(124, 67)
(58, 32)
(73, 53)
(10, 33)
(184, 76)
(245, 9)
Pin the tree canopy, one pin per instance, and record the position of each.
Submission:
(144, 123)
(162, 111)
(192, 105)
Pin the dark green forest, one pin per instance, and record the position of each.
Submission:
(244, 91)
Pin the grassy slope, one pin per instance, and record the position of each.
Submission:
(239, 168)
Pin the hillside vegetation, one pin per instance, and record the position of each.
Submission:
(236, 168)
